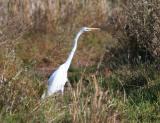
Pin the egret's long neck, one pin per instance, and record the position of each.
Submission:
(69, 59)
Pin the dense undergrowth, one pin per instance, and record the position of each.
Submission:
(116, 82)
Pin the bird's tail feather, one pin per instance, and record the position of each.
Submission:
(43, 95)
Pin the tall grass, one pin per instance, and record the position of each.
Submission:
(104, 88)
(47, 16)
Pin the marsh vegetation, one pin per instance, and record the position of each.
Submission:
(115, 74)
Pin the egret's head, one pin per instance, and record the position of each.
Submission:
(87, 29)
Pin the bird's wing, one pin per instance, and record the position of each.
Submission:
(59, 76)
(51, 78)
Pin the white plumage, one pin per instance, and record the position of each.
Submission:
(58, 79)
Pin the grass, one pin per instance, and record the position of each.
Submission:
(114, 91)
(127, 94)
(25, 69)
(141, 100)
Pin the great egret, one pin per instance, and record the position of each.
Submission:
(58, 78)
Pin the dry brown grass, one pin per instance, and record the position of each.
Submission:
(25, 67)
(47, 16)
(26, 62)
(80, 104)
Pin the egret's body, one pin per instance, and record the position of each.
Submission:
(58, 79)
(56, 82)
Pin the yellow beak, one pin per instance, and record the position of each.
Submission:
(94, 29)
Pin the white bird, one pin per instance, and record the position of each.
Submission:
(58, 78)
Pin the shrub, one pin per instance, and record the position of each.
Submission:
(137, 32)
(143, 29)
